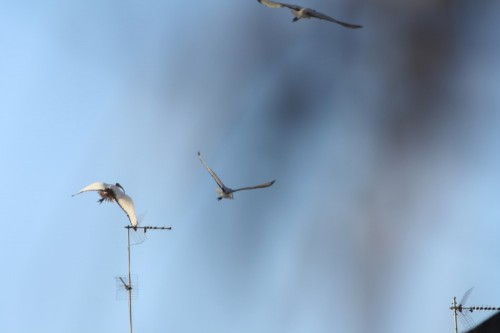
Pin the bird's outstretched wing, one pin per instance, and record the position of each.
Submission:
(212, 173)
(97, 186)
(274, 4)
(254, 187)
(322, 16)
(308, 11)
(127, 205)
(123, 200)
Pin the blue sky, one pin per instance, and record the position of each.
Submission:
(383, 141)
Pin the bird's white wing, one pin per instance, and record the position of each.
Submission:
(274, 4)
(127, 205)
(255, 187)
(322, 16)
(97, 186)
(212, 173)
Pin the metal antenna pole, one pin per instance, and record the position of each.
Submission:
(454, 308)
(129, 286)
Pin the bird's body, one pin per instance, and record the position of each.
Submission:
(300, 12)
(225, 192)
(114, 193)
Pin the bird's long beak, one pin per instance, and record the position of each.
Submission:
(117, 184)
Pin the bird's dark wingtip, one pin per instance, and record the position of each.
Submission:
(352, 26)
(273, 182)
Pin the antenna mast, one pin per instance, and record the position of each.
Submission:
(462, 309)
(454, 309)
(129, 287)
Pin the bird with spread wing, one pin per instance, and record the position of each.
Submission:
(225, 192)
(300, 12)
(116, 193)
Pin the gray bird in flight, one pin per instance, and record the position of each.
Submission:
(300, 12)
(225, 192)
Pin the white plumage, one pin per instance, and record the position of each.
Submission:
(116, 193)
(300, 12)
(225, 192)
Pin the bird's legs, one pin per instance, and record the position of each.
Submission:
(106, 195)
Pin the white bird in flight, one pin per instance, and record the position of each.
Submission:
(302, 12)
(225, 192)
(110, 192)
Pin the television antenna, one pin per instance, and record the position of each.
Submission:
(123, 285)
(463, 312)
(129, 282)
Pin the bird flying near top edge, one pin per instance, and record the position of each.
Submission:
(116, 193)
(300, 12)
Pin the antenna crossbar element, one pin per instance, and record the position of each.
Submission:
(127, 286)
(148, 227)
(482, 308)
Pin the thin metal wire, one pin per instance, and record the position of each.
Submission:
(138, 237)
(466, 319)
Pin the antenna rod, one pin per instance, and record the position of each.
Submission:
(454, 308)
(129, 287)
(148, 227)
